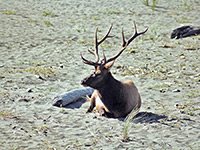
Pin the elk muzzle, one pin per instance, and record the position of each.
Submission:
(83, 82)
(89, 80)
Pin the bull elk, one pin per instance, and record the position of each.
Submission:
(112, 98)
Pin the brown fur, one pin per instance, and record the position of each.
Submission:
(112, 98)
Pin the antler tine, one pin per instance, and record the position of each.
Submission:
(85, 61)
(125, 44)
(135, 34)
(98, 43)
(96, 46)
(123, 39)
(96, 63)
(91, 52)
(107, 35)
(104, 58)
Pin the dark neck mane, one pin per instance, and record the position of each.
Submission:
(111, 91)
(110, 83)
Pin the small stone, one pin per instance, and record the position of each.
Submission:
(162, 91)
(184, 68)
(176, 105)
(95, 117)
(176, 90)
(148, 107)
(61, 66)
(133, 52)
(29, 90)
(182, 57)
(39, 77)
(23, 100)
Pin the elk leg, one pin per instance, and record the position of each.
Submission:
(92, 105)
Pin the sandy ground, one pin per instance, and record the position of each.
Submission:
(40, 45)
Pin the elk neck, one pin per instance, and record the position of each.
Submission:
(111, 94)
(110, 86)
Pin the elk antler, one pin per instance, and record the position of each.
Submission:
(125, 44)
(96, 63)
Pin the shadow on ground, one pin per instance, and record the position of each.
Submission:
(141, 117)
(147, 117)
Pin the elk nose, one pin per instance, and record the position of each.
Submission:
(83, 82)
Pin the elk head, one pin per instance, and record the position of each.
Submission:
(102, 69)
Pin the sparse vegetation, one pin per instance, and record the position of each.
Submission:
(159, 86)
(47, 72)
(52, 89)
(145, 2)
(7, 114)
(110, 12)
(10, 12)
(95, 18)
(163, 107)
(4, 93)
(193, 95)
(128, 123)
(184, 20)
(48, 23)
(87, 43)
(43, 128)
(153, 5)
(48, 146)
(153, 32)
(63, 110)
(185, 5)
(188, 108)
(149, 70)
(32, 20)
(46, 13)
(1, 143)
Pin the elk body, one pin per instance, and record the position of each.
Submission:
(112, 98)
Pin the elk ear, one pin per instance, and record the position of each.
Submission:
(109, 66)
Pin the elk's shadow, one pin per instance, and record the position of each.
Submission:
(147, 117)
(141, 117)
